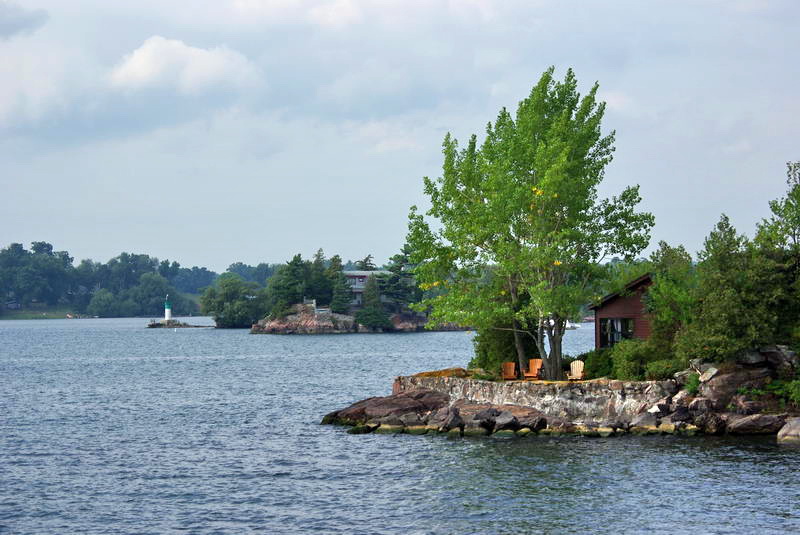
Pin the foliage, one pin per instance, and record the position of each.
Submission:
(400, 286)
(290, 281)
(373, 315)
(258, 274)
(629, 358)
(662, 369)
(103, 304)
(669, 300)
(234, 302)
(597, 363)
(130, 281)
(366, 264)
(737, 299)
(525, 203)
(692, 383)
(786, 390)
(342, 295)
(320, 282)
(495, 346)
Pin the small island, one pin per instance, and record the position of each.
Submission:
(168, 322)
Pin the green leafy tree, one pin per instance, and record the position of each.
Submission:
(234, 302)
(103, 304)
(525, 203)
(373, 315)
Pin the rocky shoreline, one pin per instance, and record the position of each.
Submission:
(452, 403)
(307, 319)
(174, 324)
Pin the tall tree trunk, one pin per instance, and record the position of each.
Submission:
(555, 335)
(540, 339)
(522, 359)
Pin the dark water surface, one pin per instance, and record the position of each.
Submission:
(108, 427)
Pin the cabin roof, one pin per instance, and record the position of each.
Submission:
(356, 273)
(631, 286)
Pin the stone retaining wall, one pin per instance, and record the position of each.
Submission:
(578, 402)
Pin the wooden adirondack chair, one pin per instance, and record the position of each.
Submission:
(575, 370)
(534, 369)
(509, 371)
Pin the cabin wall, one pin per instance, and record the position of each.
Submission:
(629, 306)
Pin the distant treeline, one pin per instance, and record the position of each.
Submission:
(135, 284)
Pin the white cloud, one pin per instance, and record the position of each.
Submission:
(170, 63)
(336, 14)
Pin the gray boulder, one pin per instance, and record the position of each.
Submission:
(744, 406)
(681, 414)
(756, 424)
(699, 365)
(710, 422)
(751, 358)
(682, 377)
(700, 405)
(790, 432)
(506, 420)
(446, 418)
(644, 419)
(722, 387)
(681, 399)
(781, 358)
(708, 374)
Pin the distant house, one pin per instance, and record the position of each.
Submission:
(357, 280)
(622, 315)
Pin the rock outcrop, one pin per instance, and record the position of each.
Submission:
(584, 402)
(308, 319)
(304, 319)
(451, 401)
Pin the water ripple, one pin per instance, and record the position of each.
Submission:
(107, 427)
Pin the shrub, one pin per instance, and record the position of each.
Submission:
(629, 358)
(374, 318)
(693, 383)
(662, 369)
(597, 363)
(793, 391)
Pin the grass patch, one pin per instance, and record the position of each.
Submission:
(37, 313)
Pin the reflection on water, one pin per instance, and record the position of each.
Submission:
(109, 427)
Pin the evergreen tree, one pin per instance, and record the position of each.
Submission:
(320, 285)
(365, 264)
(373, 315)
(342, 295)
(289, 284)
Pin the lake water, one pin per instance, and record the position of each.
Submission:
(108, 427)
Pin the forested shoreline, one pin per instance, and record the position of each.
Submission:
(41, 279)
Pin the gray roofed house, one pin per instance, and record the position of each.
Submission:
(357, 280)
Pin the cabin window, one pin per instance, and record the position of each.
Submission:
(612, 330)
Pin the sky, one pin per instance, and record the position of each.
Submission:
(210, 132)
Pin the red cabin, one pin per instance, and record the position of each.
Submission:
(622, 315)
